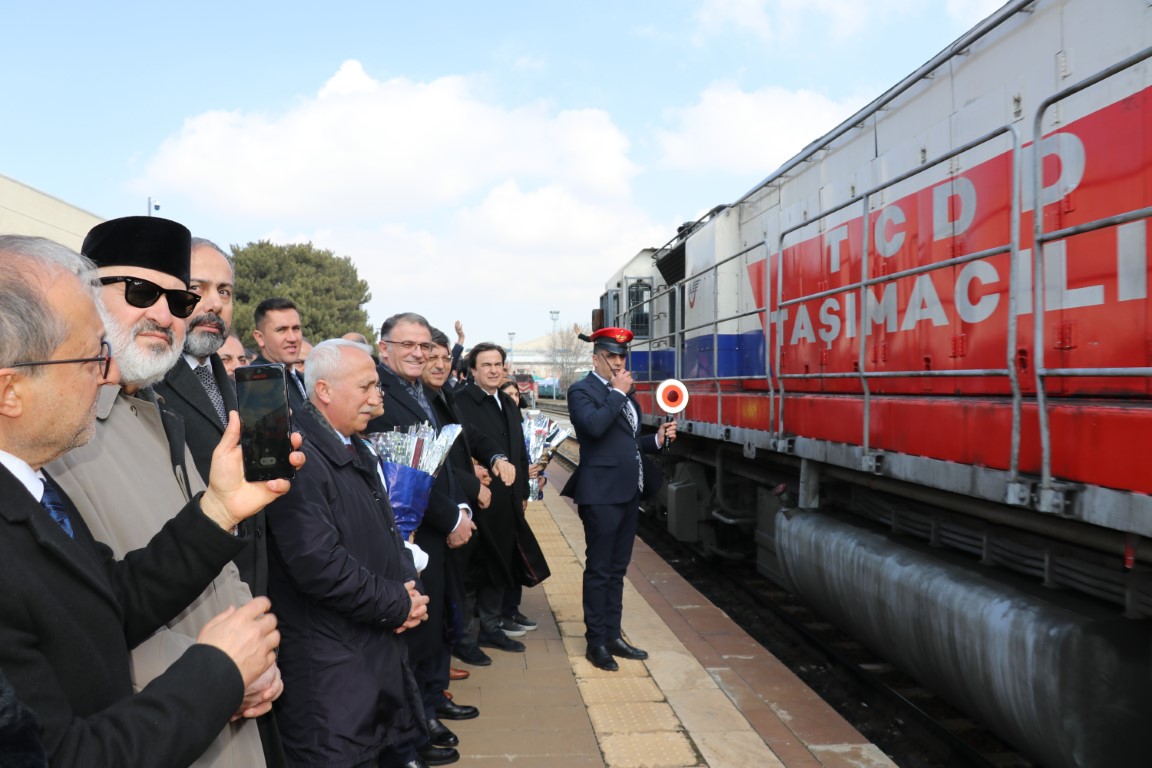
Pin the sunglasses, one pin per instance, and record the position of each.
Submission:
(144, 293)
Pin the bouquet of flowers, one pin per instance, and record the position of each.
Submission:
(411, 460)
(542, 436)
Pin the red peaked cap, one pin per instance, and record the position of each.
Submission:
(613, 340)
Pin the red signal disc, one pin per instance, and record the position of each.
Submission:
(671, 396)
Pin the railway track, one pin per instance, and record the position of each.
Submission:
(912, 725)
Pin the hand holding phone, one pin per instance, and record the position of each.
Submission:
(265, 421)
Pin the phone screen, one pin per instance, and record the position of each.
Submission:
(265, 426)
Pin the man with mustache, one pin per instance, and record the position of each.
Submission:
(197, 388)
(137, 470)
(344, 585)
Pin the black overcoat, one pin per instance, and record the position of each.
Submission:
(336, 578)
(70, 614)
(500, 427)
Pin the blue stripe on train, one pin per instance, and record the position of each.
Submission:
(736, 354)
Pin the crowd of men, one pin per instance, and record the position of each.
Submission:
(141, 571)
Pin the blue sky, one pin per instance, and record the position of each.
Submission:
(486, 162)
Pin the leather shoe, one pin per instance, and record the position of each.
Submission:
(620, 648)
(471, 654)
(433, 755)
(600, 657)
(416, 763)
(501, 641)
(458, 674)
(454, 711)
(440, 736)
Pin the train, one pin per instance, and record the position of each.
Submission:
(918, 359)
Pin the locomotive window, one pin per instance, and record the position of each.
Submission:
(640, 309)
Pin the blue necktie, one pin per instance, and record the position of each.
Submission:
(55, 506)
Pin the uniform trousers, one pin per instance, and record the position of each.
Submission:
(609, 533)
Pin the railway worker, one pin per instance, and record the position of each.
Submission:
(69, 612)
(613, 476)
(137, 469)
(405, 344)
(343, 583)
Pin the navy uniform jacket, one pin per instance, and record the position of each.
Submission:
(69, 615)
(608, 472)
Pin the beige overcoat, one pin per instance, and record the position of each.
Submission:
(125, 485)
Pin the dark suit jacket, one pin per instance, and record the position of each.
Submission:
(607, 473)
(497, 525)
(69, 614)
(402, 411)
(185, 396)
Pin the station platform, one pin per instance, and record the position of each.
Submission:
(708, 695)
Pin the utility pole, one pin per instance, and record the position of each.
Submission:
(555, 313)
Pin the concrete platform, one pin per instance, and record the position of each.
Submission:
(708, 695)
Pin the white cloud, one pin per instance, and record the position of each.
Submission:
(448, 204)
(728, 129)
(361, 146)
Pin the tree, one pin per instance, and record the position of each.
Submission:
(326, 288)
(570, 353)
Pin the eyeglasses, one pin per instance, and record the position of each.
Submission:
(408, 346)
(144, 293)
(105, 358)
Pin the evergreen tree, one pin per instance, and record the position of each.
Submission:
(326, 288)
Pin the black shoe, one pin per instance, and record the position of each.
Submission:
(438, 755)
(511, 629)
(416, 763)
(501, 641)
(600, 657)
(620, 648)
(450, 710)
(440, 736)
(471, 654)
(520, 620)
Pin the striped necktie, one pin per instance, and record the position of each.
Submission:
(53, 502)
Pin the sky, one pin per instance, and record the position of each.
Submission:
(483, 162)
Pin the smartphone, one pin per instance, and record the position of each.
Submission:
(265, 423)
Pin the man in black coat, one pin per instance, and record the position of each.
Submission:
(607, 487)
(490, 414)
(69, 613)
(200, 391)
(405, 342)
(344, 585)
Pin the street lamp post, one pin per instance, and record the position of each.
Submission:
(153, 205)
(555, 313)
(511, 346)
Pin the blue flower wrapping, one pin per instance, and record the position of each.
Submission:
(408, 492)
